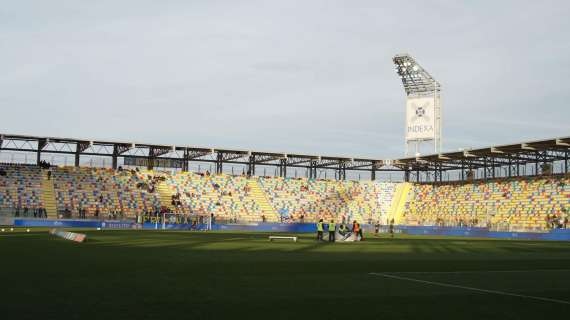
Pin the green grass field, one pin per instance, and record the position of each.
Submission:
(188, 275)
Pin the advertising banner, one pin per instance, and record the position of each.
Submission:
(420, 118)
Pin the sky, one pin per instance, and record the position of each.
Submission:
(311, 77)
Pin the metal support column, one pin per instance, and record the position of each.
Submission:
(219, 163)
(113, 161)
(510, 166)
(536, 159)
(41, 144)
(485, 169)
(436, 173)
(78, 155)
(283, 168)
(341, 171)
(566, 162)
(251, 165)
(185, 159)
(313, 170)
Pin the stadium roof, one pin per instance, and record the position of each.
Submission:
(184, 154)
(508, 155)
(541, 151)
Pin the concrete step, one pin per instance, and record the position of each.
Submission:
(261, 199)
(48, 195)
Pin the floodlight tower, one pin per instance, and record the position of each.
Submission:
(423, 103)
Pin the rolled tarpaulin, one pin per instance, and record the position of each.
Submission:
(77, 237)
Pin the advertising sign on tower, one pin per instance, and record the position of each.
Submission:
(420, 119)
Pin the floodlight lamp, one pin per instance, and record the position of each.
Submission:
(415, 67)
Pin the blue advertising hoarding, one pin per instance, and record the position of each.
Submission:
(474, 232)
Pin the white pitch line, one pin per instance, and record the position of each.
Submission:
(481, 271)
(441, 284)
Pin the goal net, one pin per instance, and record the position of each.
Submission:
(184, 221)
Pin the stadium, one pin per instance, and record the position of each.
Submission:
(95, 228)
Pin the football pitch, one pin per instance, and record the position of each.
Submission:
(223, 275)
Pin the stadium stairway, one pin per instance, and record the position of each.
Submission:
(260, 198)
(399, 201)
(48, 195)
(165, 196)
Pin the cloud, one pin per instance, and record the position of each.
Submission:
(293, 76)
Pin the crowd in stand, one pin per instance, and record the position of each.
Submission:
(44, 164)
(556, 221)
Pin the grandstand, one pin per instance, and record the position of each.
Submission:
(521, 204)
(491, 193)
(21, 188)
(102, 191)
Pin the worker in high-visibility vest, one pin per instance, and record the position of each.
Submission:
(332, 227)
(320, 228)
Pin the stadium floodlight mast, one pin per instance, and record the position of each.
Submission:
(423, 103)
